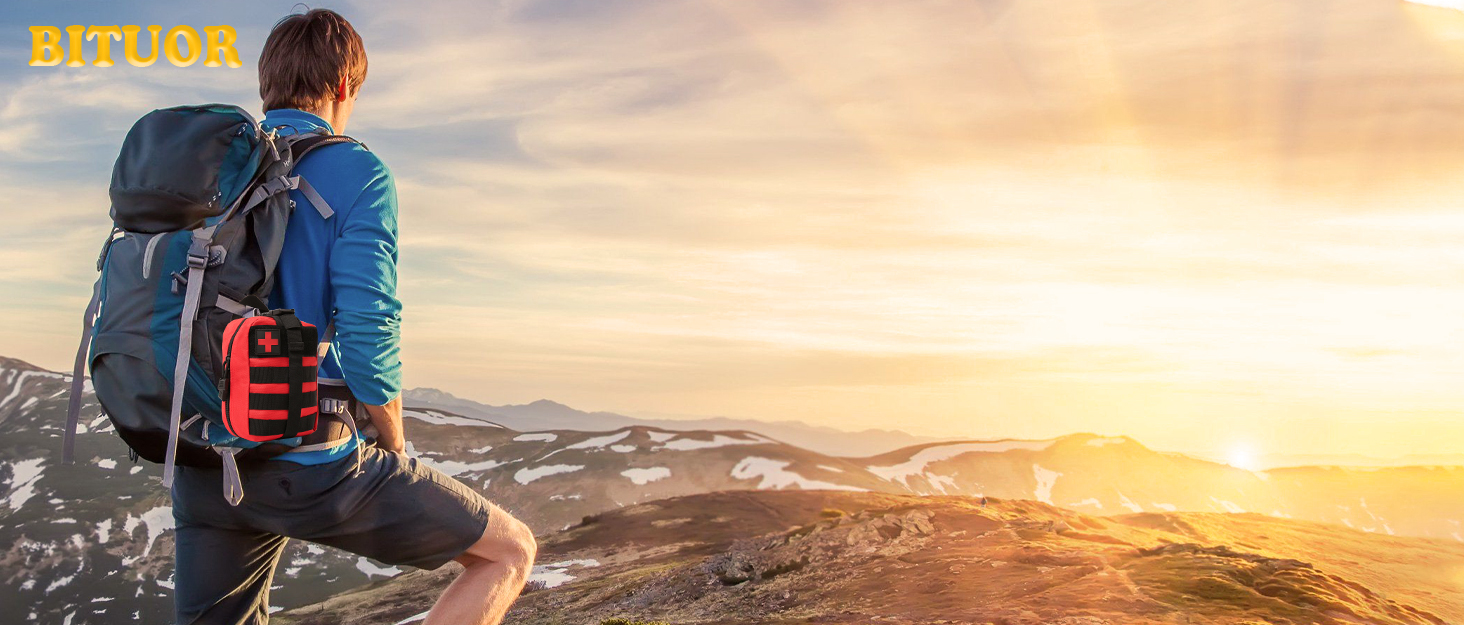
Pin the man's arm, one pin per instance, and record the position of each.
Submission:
(363, 277)
(388, 422)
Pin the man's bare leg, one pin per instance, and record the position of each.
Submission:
(497, 567)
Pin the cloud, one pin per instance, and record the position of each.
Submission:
(1072, 216)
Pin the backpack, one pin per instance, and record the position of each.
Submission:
(200, 205)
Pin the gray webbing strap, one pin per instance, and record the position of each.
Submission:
(233, 485)
(269, 189)
(238, 309)
(340, 408)
(197, 261)
(320, 446)
(78, 376)
(321, 206)
(324, 347)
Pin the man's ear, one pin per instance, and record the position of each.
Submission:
(341, 91)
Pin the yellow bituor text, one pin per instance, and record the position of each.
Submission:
(47, 48)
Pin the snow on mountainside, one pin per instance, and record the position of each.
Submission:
(549, 415)
(94, 540)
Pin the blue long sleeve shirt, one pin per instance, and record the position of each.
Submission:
(343, 268)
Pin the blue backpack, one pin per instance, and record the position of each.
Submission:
(200, 205)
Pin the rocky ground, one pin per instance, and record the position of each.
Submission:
(823, 557)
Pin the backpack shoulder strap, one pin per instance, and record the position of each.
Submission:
(311, 140)
(302, 146)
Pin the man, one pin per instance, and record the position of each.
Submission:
(343, 269)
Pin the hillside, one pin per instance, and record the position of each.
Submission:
(70, 535)
(1118, 475)
(827, 557)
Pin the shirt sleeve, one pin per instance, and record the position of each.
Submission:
(363, 278)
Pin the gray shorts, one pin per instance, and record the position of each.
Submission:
(398, 511)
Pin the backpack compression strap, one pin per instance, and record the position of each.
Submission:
(198, 252)
(78, 377)
(78, 371)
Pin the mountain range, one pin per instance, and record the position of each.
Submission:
(91, 541)
(545, 414)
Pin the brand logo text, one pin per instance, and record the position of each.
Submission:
(49, 48)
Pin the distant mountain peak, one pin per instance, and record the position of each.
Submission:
(427, 393)
(1098, 440)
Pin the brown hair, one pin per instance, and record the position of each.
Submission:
(306, 57)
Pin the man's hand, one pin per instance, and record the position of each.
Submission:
(388, 422)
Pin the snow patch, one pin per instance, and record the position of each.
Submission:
(1228, 506)
(600, 441)
(1091, 501)
(413, 619)
(107, 463)
(624, 449)
(544, 437)
(438, 418)
(104, 530)
(641, 477)
(553, 575)
(775, 476)
(20, 382)
(661, 437)
(524, 476)
(829, 468)
(937, 453)
(1045, 481)
(1167, 507)
(22, 483)
(718, 440)
(60, 581)
(454, 467)
(942, 482)
(371, 570)
(1124, 501)
(158, 520)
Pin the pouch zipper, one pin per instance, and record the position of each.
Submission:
(228, 358)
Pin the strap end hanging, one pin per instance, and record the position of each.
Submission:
(233, 484)
(321, 206)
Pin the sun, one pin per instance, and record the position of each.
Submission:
(1242, 456)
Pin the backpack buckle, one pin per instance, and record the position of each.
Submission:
(198, 258)
(333, 406)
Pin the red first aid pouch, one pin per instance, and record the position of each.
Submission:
(269, 386)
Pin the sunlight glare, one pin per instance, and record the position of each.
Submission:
(1242, 457)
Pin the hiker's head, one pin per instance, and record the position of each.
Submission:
(314, 62)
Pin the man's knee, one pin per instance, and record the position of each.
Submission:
(506, 540)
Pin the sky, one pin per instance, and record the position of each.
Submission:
(1210, 225)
